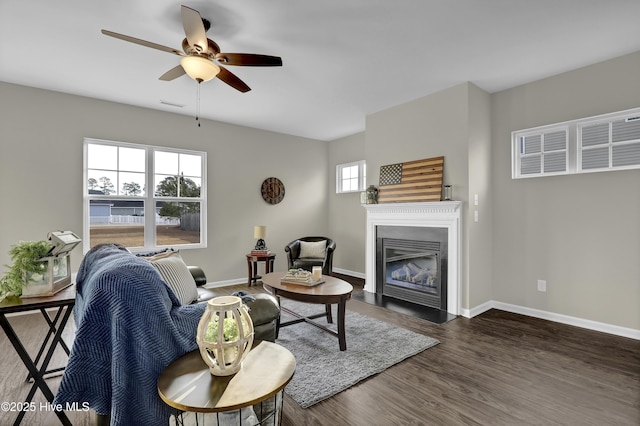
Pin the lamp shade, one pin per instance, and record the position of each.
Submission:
(259, 231)
(199, 68)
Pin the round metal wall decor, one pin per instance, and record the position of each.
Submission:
(272, 190)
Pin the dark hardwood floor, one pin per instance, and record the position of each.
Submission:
(495, 369)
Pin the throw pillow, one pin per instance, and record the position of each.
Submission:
(176, 274)
(153, 253)
(315, 249)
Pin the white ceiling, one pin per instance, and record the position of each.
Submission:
(343, 59)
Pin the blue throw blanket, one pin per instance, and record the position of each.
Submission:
(130, 326)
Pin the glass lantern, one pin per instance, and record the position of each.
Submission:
(225, 335)
(446, 196)
(372, 195)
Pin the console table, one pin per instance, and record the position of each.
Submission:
(187, 385)
(64, 302)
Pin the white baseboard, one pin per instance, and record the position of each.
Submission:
(470, 313)
(552, 316)
(225, 283)
(361, 275)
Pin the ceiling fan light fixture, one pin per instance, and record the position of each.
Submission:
(199, 68)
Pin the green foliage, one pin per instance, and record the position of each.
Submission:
(170, 210)
(229, 330)
(178, 186)
(168, 187)
(131, 188)
(25, 256)
(106, 186)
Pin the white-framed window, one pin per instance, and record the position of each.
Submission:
(611, 143)
(143, 197)
(542, 152)
(351, 177)
(595, 144)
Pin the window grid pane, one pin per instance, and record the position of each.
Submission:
(532, 144)
(116, 220)
(595, 135)
(623, 130)
(177, 223)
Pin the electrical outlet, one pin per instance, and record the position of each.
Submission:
(475, 216)
(542, 285)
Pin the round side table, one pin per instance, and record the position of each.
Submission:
(187, 385)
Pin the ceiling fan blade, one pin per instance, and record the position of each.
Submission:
(173, 73)
(232, 80)
(249, 59)
(194, 29)
(143, 42)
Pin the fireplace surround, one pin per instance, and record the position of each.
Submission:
(432, 218)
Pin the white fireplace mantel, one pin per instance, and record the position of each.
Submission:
(443, 214)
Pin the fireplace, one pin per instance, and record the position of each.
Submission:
(412, 264)
(413, 253)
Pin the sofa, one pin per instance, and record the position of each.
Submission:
(130, 325)
(263, 308)
(307, 252)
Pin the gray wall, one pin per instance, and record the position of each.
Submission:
(41, 137)
(346, 216)
(479, 247)
(581, 232)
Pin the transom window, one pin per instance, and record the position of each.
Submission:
(595, 144)
(609, 144)
(143, 197)
(543, 152)
(351, 177)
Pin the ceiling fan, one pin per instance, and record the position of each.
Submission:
(201, 56)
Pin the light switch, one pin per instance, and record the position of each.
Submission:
(475, 200)
(475, 215)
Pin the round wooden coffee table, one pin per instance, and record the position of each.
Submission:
(332, 291)
(187, 385)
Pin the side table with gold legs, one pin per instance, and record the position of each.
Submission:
(187, 385)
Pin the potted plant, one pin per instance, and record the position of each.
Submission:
(26, 266)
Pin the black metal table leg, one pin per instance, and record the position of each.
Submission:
(37, 374)
(52, 329)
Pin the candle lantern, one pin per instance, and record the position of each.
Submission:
(225, 335)
(372, 195)
(447, 193)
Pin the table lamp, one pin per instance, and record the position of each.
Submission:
(260, 232)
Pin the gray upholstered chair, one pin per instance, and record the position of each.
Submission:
(307, 252)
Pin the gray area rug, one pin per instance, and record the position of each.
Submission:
(323, 371)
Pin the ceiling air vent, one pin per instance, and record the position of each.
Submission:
(171, 104)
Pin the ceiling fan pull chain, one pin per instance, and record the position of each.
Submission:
(198, 105)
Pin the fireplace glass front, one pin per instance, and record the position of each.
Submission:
(412, 265)
(409, 267)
